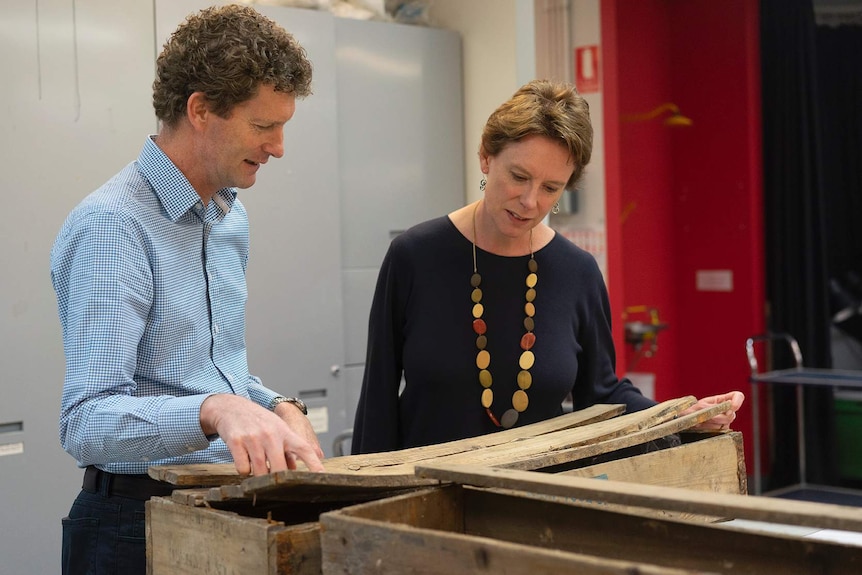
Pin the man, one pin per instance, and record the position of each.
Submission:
(149, 272)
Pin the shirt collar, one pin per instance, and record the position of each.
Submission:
(171, 186)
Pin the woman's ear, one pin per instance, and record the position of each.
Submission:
(484, 160)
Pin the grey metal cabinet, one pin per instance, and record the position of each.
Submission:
(401, 153)
(75, 107)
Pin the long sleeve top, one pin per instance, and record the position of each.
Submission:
(420, 331)
(151, 296)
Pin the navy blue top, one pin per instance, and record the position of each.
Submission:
(421, 327)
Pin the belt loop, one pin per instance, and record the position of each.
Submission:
(104, 483)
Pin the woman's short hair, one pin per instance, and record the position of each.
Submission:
(546, 108)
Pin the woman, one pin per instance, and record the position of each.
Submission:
(491, 317)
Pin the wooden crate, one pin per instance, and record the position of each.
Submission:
(269, 524)
(188, 536)
(500, 521)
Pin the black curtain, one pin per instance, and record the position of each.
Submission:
(797, 276)
(839, 59)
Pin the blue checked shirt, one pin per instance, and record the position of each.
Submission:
(151, 294)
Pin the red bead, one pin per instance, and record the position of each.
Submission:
(527, 340)
(479, 326)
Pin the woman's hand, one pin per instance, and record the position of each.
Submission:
(722, 421)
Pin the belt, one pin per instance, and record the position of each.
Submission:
(140, 487)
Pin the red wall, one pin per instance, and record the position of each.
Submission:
(690, 198)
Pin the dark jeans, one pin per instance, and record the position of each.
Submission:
(104, 535)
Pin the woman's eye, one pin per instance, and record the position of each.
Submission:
(519, 177)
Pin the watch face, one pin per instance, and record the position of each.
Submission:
(300, 404)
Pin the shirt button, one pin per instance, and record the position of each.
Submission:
(190, 449)
(215, 329)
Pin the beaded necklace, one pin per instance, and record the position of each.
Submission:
(520, 401)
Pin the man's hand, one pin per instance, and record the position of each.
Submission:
(298, 422)
(259, 440)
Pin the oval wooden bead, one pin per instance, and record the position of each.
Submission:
(509, 419)
(525, 379)
(483, 359)
(529, 309)
(485, 378)
(531, 294)
(475, 280)
(481, 341)
(533, 265)
(529, 324)
(479, 326)
(527, 359)
(478, 310)
(532, 280)
(527, 340)
(520, 401)
(487, 398)
(476, 296)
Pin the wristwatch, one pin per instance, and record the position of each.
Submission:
(294, 400)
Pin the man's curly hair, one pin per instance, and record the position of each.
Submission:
(227, 52)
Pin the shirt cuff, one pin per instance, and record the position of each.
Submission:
(180, 425)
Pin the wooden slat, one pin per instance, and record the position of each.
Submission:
(550, 457)
(190, 497)
(571, 445)
(457, 522)
(363, 477)
(821, 515)
(356, 545)
(196, 475)
(714, 463)
(218, 474)
(625, 430)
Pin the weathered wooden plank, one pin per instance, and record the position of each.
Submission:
(191, 497)
(822, 515)
(353, 545)
(381, 463)
(530, 452)
(714, 463)
(374, 461)
(202, 475)
(603, 437)
(604, 532)
(184, 540)
(364, 477)
(556, 455)
(361, 539)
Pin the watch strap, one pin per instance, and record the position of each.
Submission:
(294, 400)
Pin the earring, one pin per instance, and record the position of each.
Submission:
(482, 183)
(556, 209)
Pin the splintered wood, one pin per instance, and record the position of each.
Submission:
(576, 436)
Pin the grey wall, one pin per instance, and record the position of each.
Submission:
(74, 102)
